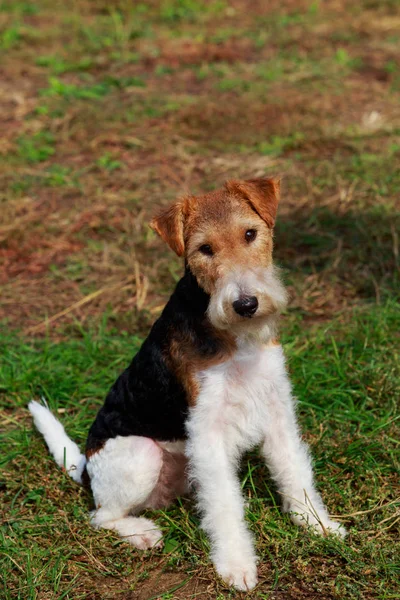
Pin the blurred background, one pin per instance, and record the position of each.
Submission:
(110, 109)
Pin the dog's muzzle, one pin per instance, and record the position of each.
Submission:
(247, 300)
(246, 306)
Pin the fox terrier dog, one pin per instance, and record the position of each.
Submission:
(208, 384)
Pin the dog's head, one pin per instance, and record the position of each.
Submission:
(226, 239)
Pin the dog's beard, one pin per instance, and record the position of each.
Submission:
(265, 285)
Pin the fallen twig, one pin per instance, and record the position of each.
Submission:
(78, 304)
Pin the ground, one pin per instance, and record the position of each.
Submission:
(109, 110)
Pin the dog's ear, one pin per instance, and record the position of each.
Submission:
(169, 226)
(262, 194)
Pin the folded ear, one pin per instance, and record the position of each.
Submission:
(169, 226)
(262, 194)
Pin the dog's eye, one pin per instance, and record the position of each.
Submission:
(250, 235)
(206, 249)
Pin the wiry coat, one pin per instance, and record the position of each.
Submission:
(209, 383)
(148, 398)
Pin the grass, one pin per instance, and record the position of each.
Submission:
(345, 376)
(37, 147)
(112, 112)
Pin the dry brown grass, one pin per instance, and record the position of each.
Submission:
(328, 95)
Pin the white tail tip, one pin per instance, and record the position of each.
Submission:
(65, 452)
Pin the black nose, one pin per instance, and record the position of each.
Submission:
(245, 306)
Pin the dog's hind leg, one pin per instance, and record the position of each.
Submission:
(138, 531)
(126, 476)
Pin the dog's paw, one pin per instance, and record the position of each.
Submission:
(238, 573)
(318, 523)
(146, 535)
(332, 527)
(145, 541)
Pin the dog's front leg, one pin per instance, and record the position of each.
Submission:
(213, 467)
(288, 459)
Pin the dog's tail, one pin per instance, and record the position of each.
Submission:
(65, 452)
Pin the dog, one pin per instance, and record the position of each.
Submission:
(208, 384)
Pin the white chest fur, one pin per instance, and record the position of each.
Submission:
(238, 397)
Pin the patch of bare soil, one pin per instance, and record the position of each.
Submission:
(179, 585)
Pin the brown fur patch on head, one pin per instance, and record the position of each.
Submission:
(220, 220)
(262, 194)
(169, 225)
(226, 237)
(177, 223)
